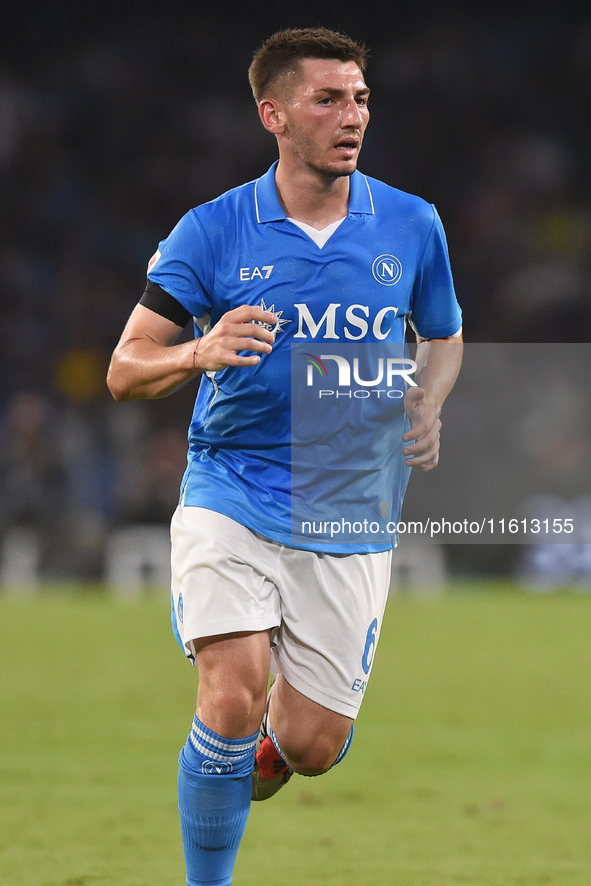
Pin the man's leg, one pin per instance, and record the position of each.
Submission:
(309, 736)
(332, 608)
(311, 742)
(216, 763)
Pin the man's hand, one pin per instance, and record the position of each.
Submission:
(438, 362)
(424, 419)
(238, 330)
(146, 363)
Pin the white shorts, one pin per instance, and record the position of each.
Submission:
(327, 608)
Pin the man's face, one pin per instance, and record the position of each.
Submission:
(326, 115)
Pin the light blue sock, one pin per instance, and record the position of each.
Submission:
(214, 789)
(344, 750)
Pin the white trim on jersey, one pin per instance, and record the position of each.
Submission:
(320, 238)
(256, 202)
(373, 209)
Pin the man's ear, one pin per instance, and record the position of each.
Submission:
(272, 116)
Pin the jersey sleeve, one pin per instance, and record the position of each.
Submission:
(183, 266)
(435, 312)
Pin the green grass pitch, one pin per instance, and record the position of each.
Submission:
(471, 762)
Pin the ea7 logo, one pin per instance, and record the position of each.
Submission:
(262, 273)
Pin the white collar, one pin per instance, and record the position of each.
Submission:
(319, 237)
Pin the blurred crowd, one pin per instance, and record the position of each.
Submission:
(104, 145)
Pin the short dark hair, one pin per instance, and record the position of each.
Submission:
(282, 53)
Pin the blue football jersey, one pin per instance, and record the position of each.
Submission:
(385, 265)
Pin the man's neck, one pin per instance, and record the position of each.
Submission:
(311, 198)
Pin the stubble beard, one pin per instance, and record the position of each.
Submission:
(304, 149)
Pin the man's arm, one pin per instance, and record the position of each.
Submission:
(438, 364)
(146, 364)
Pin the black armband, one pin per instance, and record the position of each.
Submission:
(162, 302)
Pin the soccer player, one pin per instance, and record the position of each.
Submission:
(312, 252)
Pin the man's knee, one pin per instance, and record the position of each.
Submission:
(233, 675)
(313, 756)
(242, 704)
(311, 737)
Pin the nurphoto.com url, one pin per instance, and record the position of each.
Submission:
(431, 528)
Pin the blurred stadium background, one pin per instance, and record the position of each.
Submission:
(116, 119)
